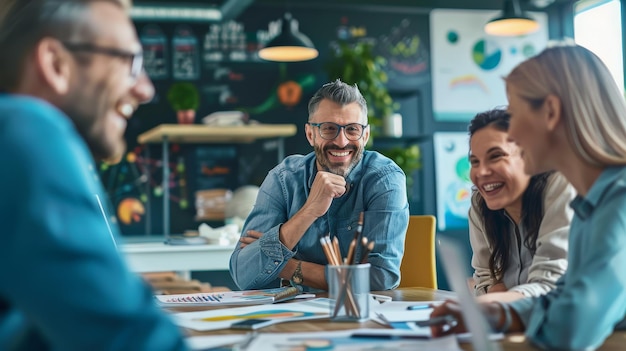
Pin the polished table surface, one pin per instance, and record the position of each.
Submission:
(516, 342)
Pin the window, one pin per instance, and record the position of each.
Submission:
(598, 27)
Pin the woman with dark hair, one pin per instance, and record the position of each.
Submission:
(568, 115)
(518, 224)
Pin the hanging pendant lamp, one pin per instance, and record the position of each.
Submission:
(289, 46)
(512, 22)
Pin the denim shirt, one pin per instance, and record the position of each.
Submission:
(590, 298)
(376, 186)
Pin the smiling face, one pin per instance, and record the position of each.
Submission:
(102, 94)
(497, 170)
(339, 155)
(528, 130)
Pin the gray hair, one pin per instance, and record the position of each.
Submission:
(23, 23)
(339, 93)
(592, 106)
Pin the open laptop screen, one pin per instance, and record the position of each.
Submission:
(452, 258)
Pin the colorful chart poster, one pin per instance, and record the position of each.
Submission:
(453, 185)
(406, 54)
(467, 74)
(155, 55)
(185, 55)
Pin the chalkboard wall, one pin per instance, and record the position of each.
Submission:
(221, 61)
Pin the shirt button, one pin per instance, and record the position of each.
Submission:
(349, 227)
(275, 263)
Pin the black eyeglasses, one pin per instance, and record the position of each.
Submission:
(136, 59)
(330, 130)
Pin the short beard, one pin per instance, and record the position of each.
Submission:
(87, 116)
(323, 162)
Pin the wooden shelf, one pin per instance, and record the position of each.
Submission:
(199, 133)
(165, 134)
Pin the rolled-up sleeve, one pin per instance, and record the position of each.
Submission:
(377, 188)
(258, 264)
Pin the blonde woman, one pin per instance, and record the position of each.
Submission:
(567, 114)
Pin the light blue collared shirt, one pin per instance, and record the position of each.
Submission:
(590, 299)
(377, 187)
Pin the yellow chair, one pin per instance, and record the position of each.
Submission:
(418, 268)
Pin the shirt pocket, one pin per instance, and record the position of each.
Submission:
(346, 228)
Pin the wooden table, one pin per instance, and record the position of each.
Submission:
(514, 342)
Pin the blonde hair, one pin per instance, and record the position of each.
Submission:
(593, 109)
(126, 4)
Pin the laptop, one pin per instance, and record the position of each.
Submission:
(453, 258)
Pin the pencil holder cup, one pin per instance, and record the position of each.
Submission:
(349, 288)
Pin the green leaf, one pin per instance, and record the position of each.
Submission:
(356, 63)
(183, 96)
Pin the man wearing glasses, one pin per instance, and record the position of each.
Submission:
(70, 78)
(323, 193)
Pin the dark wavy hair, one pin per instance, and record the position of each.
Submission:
(495, 222)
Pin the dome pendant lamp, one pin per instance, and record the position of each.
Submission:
(289, 46)
(512, 22)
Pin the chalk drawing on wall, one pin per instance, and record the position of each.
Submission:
(467, 74)
(185, 55)
(155, 52)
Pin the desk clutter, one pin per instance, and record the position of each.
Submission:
(245, 297)
(342, 340)
(211, 204)
(349, 287)
(224, 204)
(167, 283)
(216, 319)
(350, 339)
(348, 281)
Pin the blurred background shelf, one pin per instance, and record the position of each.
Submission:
(198, 134)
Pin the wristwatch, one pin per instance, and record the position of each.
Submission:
(297, 277)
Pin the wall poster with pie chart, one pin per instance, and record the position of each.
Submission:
(453, 185)
(467, 74)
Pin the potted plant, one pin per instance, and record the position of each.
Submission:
(356, 63)
(184, 99)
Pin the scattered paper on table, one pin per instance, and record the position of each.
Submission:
(341, 341)
(225, 317)
(210, 341)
